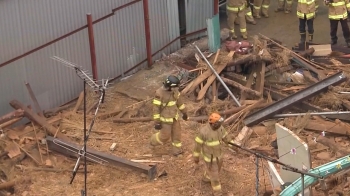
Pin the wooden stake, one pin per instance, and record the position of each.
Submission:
(37, 143)
(79, 102)
(35, 101)
(27, 153)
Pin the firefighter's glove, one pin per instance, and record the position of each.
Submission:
(184, 116)
(196, 160)
(158, 126)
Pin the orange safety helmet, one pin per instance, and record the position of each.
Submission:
(215, 117)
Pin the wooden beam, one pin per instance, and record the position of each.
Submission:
(260, 78)
(241, 87)
(79, 102)
(37, 119)
(35, 101)
(12, 115)
(327, 126)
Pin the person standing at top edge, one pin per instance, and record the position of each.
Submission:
(236, 9)
(338, 12)
(306, 11)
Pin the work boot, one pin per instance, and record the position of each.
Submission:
(333, 42)
(232, 36)
(287, 11)
(177, 151)
(302, 37)
(311, 37)
(205, 179)
(257, 16)
(253, 22)
(279, 9)
(265, 15)
(244, 35)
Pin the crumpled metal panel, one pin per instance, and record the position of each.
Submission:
(213, 29)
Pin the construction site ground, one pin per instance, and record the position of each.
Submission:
(238, 176)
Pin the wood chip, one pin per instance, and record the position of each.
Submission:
(13, 150)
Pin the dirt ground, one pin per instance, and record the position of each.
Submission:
(238, 176)
(285, 27)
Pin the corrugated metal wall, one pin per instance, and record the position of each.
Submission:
(119, 40)
(197, 11)
(164, 24)
(28, 24)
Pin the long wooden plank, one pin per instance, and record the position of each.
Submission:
(37, 119)
(35, 101)
(260, 79)
(212, 78)
(12, 115)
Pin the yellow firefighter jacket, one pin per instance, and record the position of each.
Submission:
(209, 143)
(338, 9)
(236, 5)
(306, 8)
(166, 105)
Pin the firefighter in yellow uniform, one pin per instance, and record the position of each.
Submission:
(166, 106)
(236, 9)
(208, 144)
(281, 6)
(338, 12)
(306, 12)
(248, 17)
(261, 6)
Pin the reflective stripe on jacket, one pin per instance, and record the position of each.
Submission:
(166, 105)
(236, 5)
(338, 9)
(306, 8)
(208, 143)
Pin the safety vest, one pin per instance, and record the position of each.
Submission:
(338, 9)
(306, 8)
(209, 143)
(166, 105)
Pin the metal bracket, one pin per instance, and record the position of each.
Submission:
(71, 149)
(308, 92)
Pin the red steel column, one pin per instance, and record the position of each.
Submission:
(147, 32)
(92, 46)
(216, 7)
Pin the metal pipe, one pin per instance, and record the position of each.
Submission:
(344, 92)
(302, 185)
(217, 76)
(147, 32)
(66, 35)
(216, 7)
(312, 114)
(92, 47)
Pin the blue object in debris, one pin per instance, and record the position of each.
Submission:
(213, 29)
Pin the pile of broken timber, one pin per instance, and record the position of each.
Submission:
(269, 89)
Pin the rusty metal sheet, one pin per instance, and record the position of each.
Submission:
(299, 96)
(71, 149)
